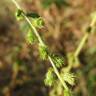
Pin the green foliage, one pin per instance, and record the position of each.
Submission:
(32, 15)
(50, 77)
(58, 61)
(43, 50)
(73, 61)
(18, 14)
(67, 93)
(30, 37)
(57, 89)
(69, 78)
(38, 22)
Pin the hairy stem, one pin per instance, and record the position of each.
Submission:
(82, 43)
(57, 73)
(41, 42)
(85, 38)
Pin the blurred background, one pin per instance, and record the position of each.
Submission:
(22, 72)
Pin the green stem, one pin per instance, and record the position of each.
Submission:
(41, 42)
(82, 43)
(57, 73)
(85, 38)
(14, 1)
(32, 27)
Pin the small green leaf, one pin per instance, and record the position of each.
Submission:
(58, 61)
(38, 22)
(43, 50)
(32, 15)
(18, 14)
(69, 78)
(50, 77)
(30, 38)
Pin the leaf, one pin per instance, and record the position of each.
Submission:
(50, 77)
(32, 15)
(38, 22)
(69, 78)
(18, 14)
(58, 61)
(31, 38)
(43, 50)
